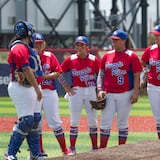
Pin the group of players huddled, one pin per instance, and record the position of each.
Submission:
(33, 71)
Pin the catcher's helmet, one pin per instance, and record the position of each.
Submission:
(81, 39)
(24, 29)
(37, 37)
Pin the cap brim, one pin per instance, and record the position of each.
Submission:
(79, 42)
(114, 37)
(39, 40)
(155, 32)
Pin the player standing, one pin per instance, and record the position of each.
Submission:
(51, 71)
(24, 91)
(151, 67)
(83, 68)
(119, 78)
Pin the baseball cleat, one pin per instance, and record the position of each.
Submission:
(10, 157)
(68, 152)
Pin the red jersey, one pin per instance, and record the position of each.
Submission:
(83, 71)
(151, 56)
(119, 68)
(49, 64)
(18, 58)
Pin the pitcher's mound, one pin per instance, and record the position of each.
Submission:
(146, 150)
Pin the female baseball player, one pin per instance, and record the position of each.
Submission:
(24, 91)
(51, 71)
(151, 66)
(83, 68)
(119, 78)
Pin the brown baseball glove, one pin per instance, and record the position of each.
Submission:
(21, 79)
(99, 104)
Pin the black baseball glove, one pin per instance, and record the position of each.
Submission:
(99, 104)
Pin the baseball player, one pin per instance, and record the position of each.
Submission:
(51, 71)
(24, 91)
(83, 68)
(119, 78)
(151, 67)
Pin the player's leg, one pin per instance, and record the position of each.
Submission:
(92, 116)
(20, 131)
(41, 140)
(24, 100)
(106, 119)
(154, 97)
(123, 106)
(33, 138)
(51, 111)
(75, 106)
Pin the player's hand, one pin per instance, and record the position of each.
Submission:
(69, 90)
(101, 94)
(134, 98)
(39, 93)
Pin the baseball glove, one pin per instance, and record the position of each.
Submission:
(99, 104)
(20, 78)
(143, 87)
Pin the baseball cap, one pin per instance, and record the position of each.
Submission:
(81, 39)
(38, 37)
(119, 34)
(156, 30)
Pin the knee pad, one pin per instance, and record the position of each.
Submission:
(25, 123)
(37, 119)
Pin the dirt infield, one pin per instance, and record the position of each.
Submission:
(147, 150)
(136, 124)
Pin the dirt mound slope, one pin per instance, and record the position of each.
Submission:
(145, 150)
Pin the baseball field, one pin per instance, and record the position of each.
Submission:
(141, 127)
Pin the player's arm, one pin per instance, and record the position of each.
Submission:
(100, 84)
(51, 76)
(65, 85)
(28, 73)
(134, 97)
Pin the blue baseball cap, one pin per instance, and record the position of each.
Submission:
(119, 34)
(156, 30)
(38, 37)
(81, 39)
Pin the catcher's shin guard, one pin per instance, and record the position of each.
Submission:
(33, 143)
(20, 130)
(33, 136)
(15, 143)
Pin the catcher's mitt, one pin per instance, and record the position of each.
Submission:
(20, 78)
(99, 104)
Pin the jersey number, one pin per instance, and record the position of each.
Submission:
(120, 80)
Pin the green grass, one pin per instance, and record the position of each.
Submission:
(142, 108)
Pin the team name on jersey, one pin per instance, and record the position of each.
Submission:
(115, 68)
